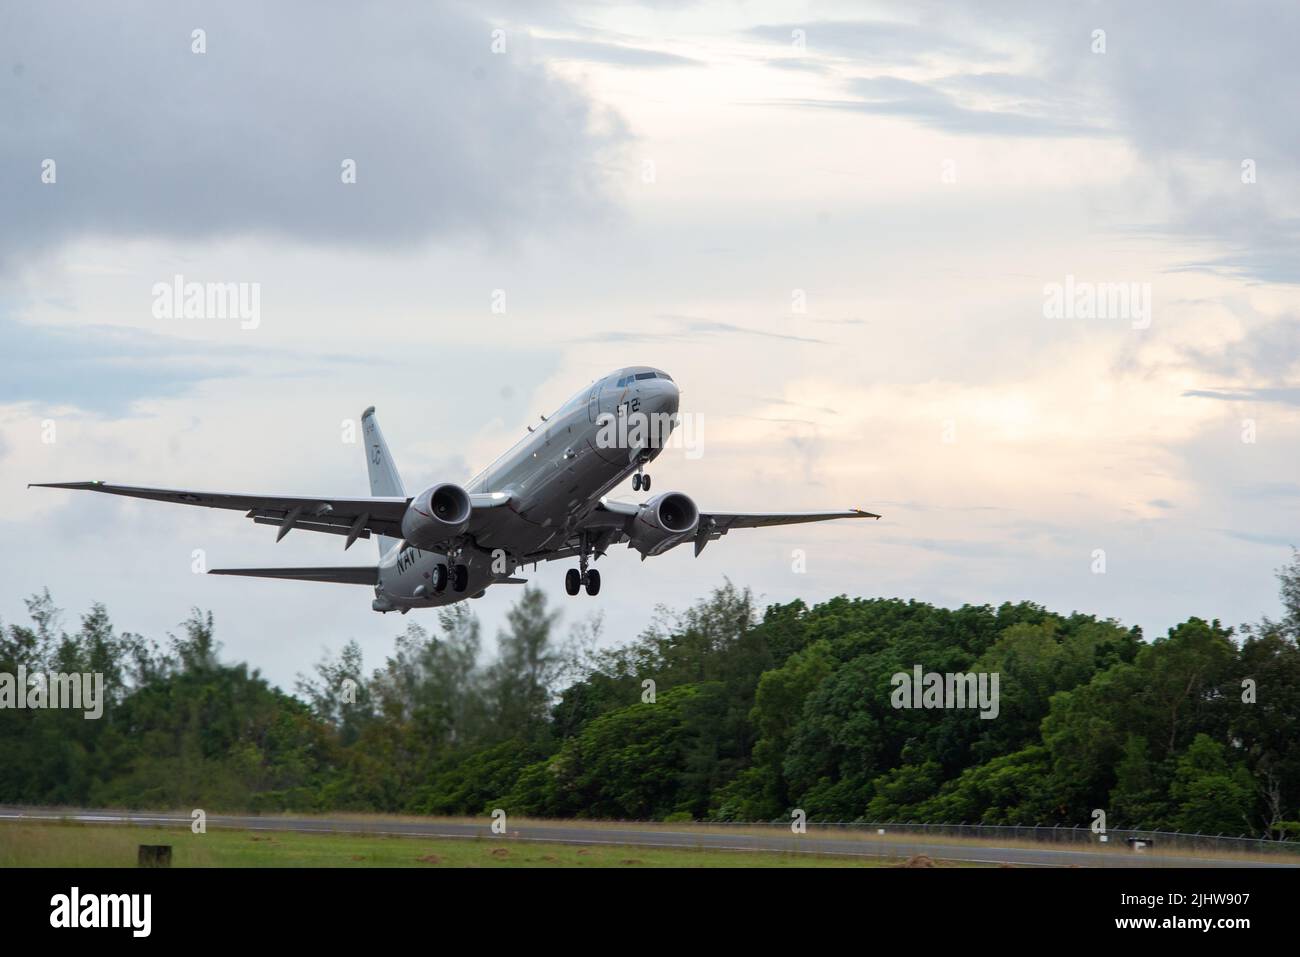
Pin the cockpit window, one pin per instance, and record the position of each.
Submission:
(629, 379)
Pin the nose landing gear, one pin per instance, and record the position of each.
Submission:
(640, 481)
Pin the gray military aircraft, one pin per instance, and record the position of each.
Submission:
(543, 500)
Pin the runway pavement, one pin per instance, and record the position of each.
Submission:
(818, 840)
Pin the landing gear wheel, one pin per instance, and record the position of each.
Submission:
(636, 482)
(460, 578)
(439, 578)
(576, 578)
(645, 483)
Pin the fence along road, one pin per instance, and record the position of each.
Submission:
(820, 839)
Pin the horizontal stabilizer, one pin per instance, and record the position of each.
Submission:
(347, 574)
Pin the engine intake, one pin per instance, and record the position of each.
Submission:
(435, 515)
(662, 522)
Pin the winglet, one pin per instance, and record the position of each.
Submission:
(864, 513)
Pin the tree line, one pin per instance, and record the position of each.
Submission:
(718, 712)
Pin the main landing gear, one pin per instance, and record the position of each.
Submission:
(577, 578)
(457, 576)
(574, 581)
(640, 481)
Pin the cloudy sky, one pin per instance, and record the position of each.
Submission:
(839, 226)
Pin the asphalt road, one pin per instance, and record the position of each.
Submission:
(816, 841)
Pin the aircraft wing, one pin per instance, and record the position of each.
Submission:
(714, 525)
(610, 512)
(353, 517)
(724, 522)
(608, 522)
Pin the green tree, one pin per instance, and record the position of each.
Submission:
(1140, 797)
(519, 684)
(1213, 795)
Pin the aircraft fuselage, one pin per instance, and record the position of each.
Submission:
(555, 476)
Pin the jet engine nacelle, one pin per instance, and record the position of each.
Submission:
(435, 515)
(662, 522)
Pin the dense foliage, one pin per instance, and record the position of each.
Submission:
(717, 712)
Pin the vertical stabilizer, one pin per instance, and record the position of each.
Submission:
(384, 478)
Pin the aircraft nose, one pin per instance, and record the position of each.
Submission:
(665, 396)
